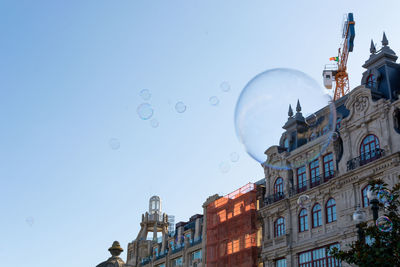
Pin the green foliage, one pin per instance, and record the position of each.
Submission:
(384, 250)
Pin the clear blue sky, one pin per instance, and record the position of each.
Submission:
(70, 77)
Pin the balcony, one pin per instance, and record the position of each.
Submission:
(294, 190)
(365, 159)
(274, 198)
(315, 181)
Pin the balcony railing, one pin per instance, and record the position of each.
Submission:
(317, 180)
(274, 198)
(365, 159)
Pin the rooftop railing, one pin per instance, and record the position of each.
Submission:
(365, 159)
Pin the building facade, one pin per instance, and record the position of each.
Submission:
(315, 179)
(308, 207)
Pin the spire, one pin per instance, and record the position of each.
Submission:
(290, 112)
(385, 41)
(298, 107)
(372, 49)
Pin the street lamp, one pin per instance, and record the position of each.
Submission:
(359, 217)
(373, 199)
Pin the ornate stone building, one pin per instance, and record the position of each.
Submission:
(330, 171)
(315, 179)
(182, 247)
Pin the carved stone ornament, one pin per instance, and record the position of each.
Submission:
(361, 104)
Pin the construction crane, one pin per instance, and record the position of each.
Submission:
(337, 72)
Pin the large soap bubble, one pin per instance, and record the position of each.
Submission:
(262, 109)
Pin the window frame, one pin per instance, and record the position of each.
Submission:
(328, 164)
(314, 173)
(364, 196)
(327, 260)
(363, 146)
(303, 218)
(279, 227)
(278, 264)
(330, 211)
(303, 176)
(371, 81)
(278, 189)
(319, 215)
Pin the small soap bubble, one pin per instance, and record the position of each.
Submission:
(234, 157)
(224, 167)
(114, 143)
(335, 136)
(145, 94)
(29, 221)
(225, 86)
(384, 224)
(145, 111)
(214, 100)
(384, 196)
(311, 120)
(303, 201)
(180, 107)
(154, 123)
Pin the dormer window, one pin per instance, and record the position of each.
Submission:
(371, 81)
(286, 143)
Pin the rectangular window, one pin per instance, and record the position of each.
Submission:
(318, 257)
(177, 262)
(196, 257)
(301, 179)
(161, 265)
(314, 173)
(280, 263)
(328, 166)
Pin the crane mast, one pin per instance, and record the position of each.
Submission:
(338, 72)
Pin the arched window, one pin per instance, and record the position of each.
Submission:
(279, 227)
(365, 200)
(371, 81)
(303, 220)
(330, 211)
(369, 149)
(317, 215)
(278, 188)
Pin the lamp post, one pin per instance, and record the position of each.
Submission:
(373, 200)
(359, 217)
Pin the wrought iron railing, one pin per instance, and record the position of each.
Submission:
(274, 198)
(365, 159)
(294, 190)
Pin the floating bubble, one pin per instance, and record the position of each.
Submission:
(263, 108)
(214, 100)
(303, 201)
(180, 107)
(145, 111)
(154, 123)
(225, 86)
(334, 136)
(145, 94)
(384, 196)
(114, 143)
(384, 224)
(311, 120)
(29, 221)
(224, 167)
(234, 157)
